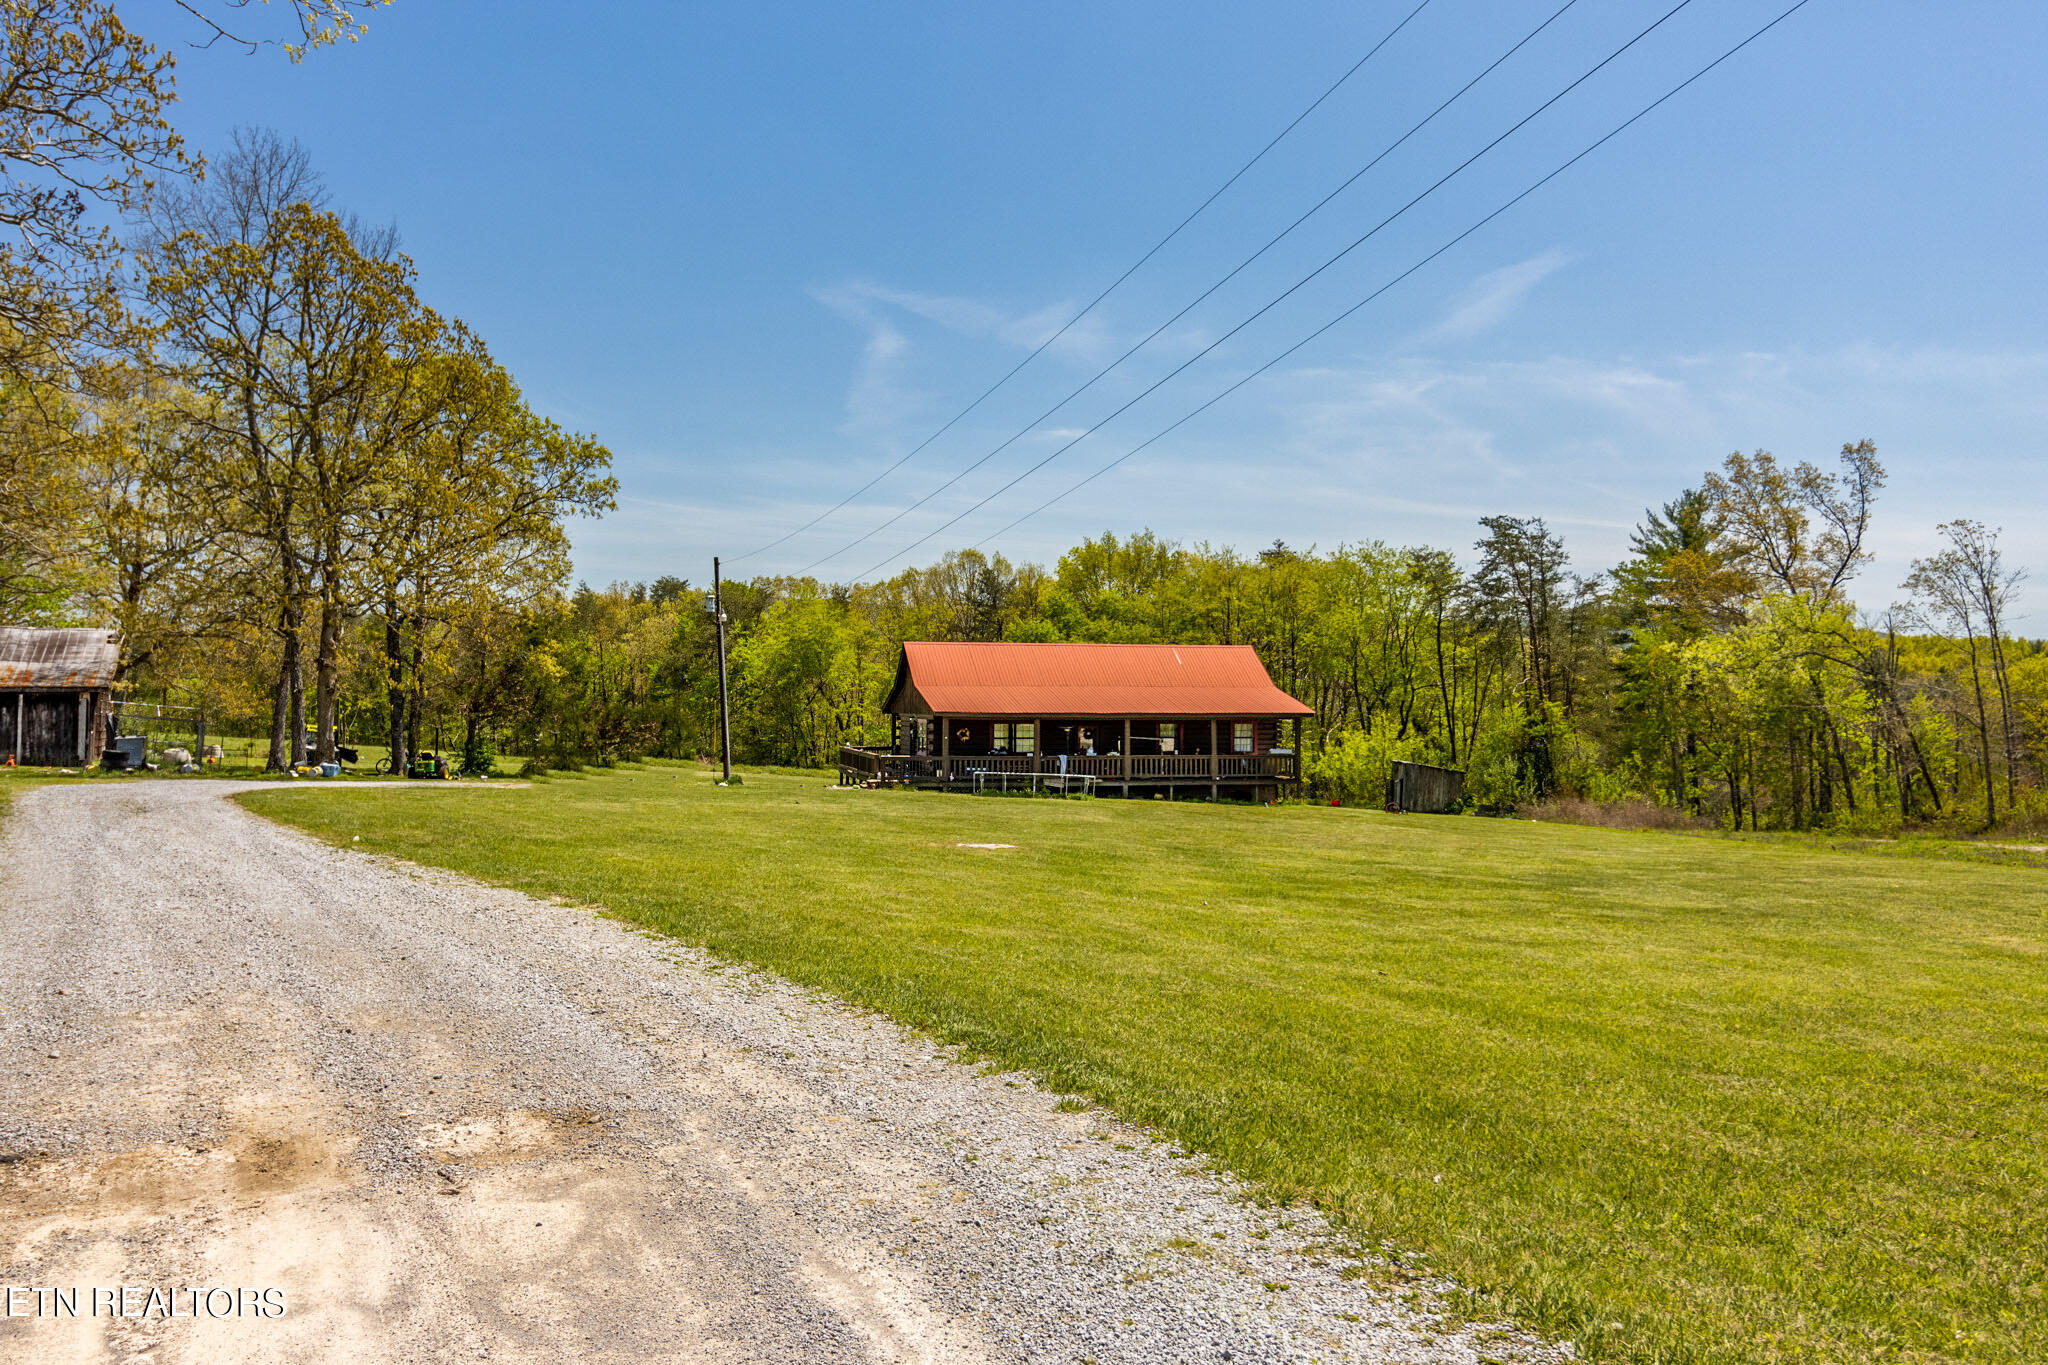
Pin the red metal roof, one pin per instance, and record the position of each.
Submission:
(971, 679)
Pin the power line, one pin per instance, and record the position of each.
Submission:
(1290, 290)
(1157, 247)
(1589, 150)
(1235, 271)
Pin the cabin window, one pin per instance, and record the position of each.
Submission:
(1241, 737)
(1169, 734)
(1013, 737)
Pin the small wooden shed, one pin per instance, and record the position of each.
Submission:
(1424, 789)
(55, 690)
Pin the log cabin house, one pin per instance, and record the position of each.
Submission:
(55, 687)
(1122, 720)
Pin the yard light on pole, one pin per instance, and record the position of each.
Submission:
(715, 604)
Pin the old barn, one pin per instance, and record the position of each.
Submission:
(54, 691)
(1126, 720)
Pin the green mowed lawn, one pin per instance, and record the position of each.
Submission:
(1676, 1098)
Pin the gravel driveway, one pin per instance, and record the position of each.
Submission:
(446, 1121)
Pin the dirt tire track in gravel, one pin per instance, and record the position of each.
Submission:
(451, 1122)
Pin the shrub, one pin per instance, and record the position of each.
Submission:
(1497, 776)
(479, 754)
(1354, 767)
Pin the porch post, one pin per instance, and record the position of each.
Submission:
(1127, 756)
(945, 750)
(1215, 761)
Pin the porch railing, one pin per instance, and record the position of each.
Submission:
(1258, 765)
(1169, 765)
(858, 765)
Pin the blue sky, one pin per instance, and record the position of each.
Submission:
(762, 251)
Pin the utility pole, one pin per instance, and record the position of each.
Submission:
(724, 704)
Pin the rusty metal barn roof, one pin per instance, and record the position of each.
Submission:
(32, 657)
(962, 679)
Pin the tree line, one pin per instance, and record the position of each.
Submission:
(1721, 672)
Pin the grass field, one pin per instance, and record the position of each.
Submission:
(1674, 1097)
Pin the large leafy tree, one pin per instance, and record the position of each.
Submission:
(471, 506)
(808, 671)
(1683, 574)
(1965, 591)
(45, 548)
(303, 350)
(166, 574)
(1801, 530)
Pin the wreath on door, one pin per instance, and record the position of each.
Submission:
(961, 734)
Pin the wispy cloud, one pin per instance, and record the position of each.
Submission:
(1488, 300)
(1093, 340)
(886, 407)
(879, 399)
(1087, 340)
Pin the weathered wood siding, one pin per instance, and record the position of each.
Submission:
(1424, 789)
(49, 724)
